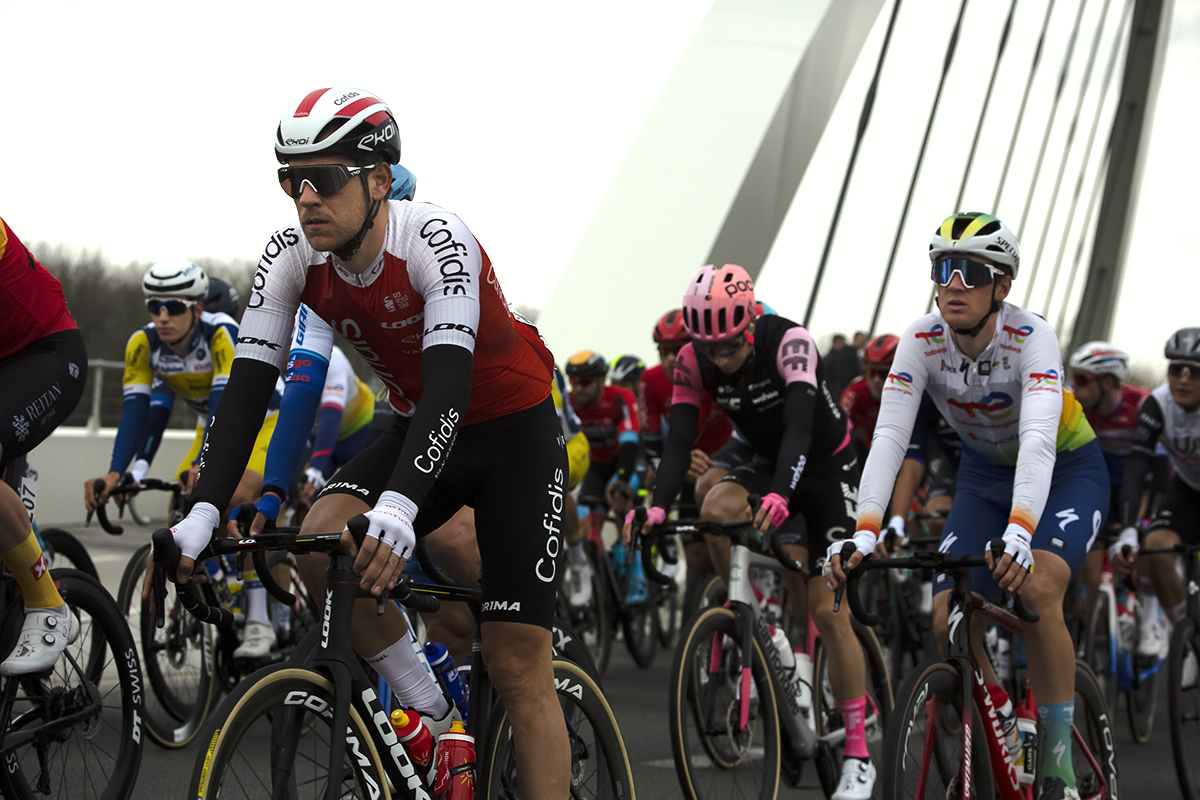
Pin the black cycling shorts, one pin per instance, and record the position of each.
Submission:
(39, 387)
(1178, 509)
(733, 453)
(513, 471)
(824, 505)
(595, 480)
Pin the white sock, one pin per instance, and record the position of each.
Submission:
(576, 555)
(1149, 606)
(256, 602)
(412, 685)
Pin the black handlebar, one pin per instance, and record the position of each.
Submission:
(937, 561)
(128, 487)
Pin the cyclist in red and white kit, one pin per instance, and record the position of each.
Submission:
(43, 367)
(410, 288)
(860, 399)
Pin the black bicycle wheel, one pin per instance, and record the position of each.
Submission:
(930, 711)
(273, 732)
(1100, 648)
(599, 762)
(879, 695)
(67, 551)
(75, 732)
(568, 645)
(641, 638)
(698, 576)
(178, 660)
(1183, 664)
(721, 753)
(593, 622)
(1093, 722)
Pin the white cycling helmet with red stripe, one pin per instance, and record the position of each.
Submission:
(719, 303)
(1101, 358)
(339, 120)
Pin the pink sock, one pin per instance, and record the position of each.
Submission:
(854, 715)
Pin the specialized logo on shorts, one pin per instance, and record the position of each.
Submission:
(39, 567)
(991, 406)
(1018, 334)
(1048, 378)
(935, 335)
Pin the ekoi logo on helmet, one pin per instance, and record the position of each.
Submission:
(901, 378)
(1049, 377)
(935, 335)
(1018, 334)
(992, 406)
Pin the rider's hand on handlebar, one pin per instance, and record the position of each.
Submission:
(390, 542)
(771, 514)
(90, 500)
(835, 572)
(267, 511)
(896, 527)
(654, 516)
(192, 534)
(1116, 552)
(701, 463)
(1016, 564)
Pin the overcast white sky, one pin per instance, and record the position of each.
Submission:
(145, 129)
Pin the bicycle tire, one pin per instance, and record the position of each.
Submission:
(1094, 723)
(641, 639)
(666, 620)
(105, 747)
(1184, 705)
(1099, 649)
(1141, 704)
(879, 689)
(568, 645)
(282, 700)
(713, 759)
(599, 762)
(600, 630)
(905, 762)
(697, 581)
(68, 551)
(178, 661)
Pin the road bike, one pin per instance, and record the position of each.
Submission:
(273, 734)
(945, 739)
(738, 723)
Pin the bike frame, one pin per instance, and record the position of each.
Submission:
(1121, 658)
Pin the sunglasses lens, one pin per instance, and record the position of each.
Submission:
(173, 307)
(325, 179)
(1178, 370)
(974, 274)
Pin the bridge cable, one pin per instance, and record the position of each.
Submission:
(864, 118)
(987, 99)
(1062, 164)
(1033, 68)
(912, 184)
(1109, 71)
(1058, 90)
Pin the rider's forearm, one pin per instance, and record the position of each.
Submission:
(677, 456)
(131, 432)
(907, 481)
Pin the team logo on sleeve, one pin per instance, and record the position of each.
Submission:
(899, 382)
(935, 335)
(1018, 335)
(994, 406)
(1047, 378)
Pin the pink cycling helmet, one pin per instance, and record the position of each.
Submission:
(719, 303)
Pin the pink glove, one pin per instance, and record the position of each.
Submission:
(777, 507)
(654, 515)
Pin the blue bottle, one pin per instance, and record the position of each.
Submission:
(446, 674)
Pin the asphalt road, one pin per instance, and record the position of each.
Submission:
(639, 698)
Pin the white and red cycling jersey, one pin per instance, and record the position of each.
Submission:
(1009, 406)
(432, 283)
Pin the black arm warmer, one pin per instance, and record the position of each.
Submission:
(799, 408)
(446, 395)
(240, 414)
(677, 456)
(627, 461)
(1150, 425)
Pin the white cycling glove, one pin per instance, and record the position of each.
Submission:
(1018, 543)
(315, 477)
(139, 469)
(896, 526)
(392, 523)
(1129, 537)
(193, 533)
(864, 542)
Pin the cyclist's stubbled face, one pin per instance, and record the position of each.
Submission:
(1087, 389)
(330, 222)
(667, 353)
(585, 392)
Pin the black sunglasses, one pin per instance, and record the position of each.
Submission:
(721, 349)
(974, 273)
(325, 179)
(1184, 369)
(173, 307)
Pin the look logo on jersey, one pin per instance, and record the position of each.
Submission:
(992, 406)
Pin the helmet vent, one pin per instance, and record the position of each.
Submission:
(989, 229)
(960, 225)
(721, 322)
